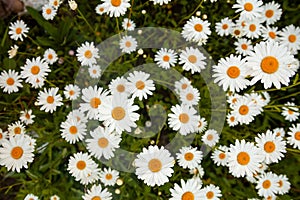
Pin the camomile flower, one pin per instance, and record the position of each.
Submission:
(230, 73)
(293, 137)
(268, 62)
(71, 91)
(3, 136)
(257, 99)
(189, 157)
(27, 117)
(249, 9)
(192, 60)
(50, 56)
(182, 84)
(31, 197)
(128, 24)
(183, 119)
(13, 51)
(253, 29)
(97, 193)
(120, 86)
(16, 128)
(16, 152)
(49, 99)
(128, 44)
(49, 12)
(154, 165)
(72, 130)
(270, 33)
(160, 2)
(165, 58)
(103, 143)
(55, 3)
(54, 197)
(232, 98)
(231, 119)
(196, 29)
(220, 156)
(244, 158)
(95, 71)
(290, 112)
(18, 30)
(78, 115)
(210, 192)
(210, 138)
(279, 132)
(10, 81)
(243, 46)
(224, 26)
(202, 124)
(187, 191)
(267, 184)
(190, 96)
(101, 9)
(116, 8)
(290, 37)
(271, 12)
(237, 31)
(87, 54)
(140, 85)
(271, 146)
(283, 184)
(109, 176)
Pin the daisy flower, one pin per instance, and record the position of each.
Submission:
(270, 33)
(101, 9)
(257, 99)
(120, 86)
(3, 136)
(230, 73)
(55, 3)
(190, 96)
(35, 71)
(198, 172)
(224, 26)
(16, 152)
(116, 8)
(290, 37)
(93, 98)
(267, 184)
(279, 132)
(128, 24)
(293, 137)
(71, 91)
(54, 197)
(202, 124)
(118, 113)
(49, 99)
(231, 119)
(237, 32)
(78, 115)
(103, 143)
(250, 9)
(183, 119)
(17, 30)
(10, 81)
(31, 197)
(96, 192)
(87, 54)
(244, 158)
(271, 12)
(188, 190)
(243, 46)
(128, 44)
(27, 117)
(283, 184)
(220, 156)
(13, 51)
(50, 56)
(290, 112)
(154, 165)
(139, 84)
(196, 29)
(165, 58)
(210, 138)
(109, 176)
(253, 29)
(72, 130)
(49, 12)
(95, 71)
(189, 157)
(192, 60)
(160, 2)
(182, 85)
(268, 62)
(16, 128)
(210, 192)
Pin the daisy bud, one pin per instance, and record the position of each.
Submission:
(72, 4)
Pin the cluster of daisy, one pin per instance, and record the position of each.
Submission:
(49, 10)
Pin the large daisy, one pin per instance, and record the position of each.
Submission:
(187, 191)
(87, 54)
(267, 184)
(140, 85)
(290, 37)
(271, 12)
(49, 99)
(10, 81)
(250, 9)
(196, 29)
(116, 8)
(97, 193)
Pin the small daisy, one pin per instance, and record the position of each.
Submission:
(13, 51)
(116, 8)
(160, 2)
(16, 152)
(154, 165)
(190, 96)
(119, 86)
(128, 44)
(10, 81)
(279, 132)
(231, 119)
(78, 115)
(54, 197)
(31, 197)
(224, 27)
(192, 60)
(270, 33)
(49, 99)
(189, 190)
(237, 31)
(72, 130)
(87, 54)
(139, 84)
(290, 112)
(95, 71)
(71, 91)
(128, 24)
(109, 176)
(165, 58)
(183, 119)
(230, 73)
(49, 12)
(17, 30)
(271, 12)
(219, 156)
(55, 3)
(198, 172)
(182, 85)
(293, 137)
(243, 46)
(189, 157)
(210, 138)
(244, 158)
(257, 99)
(3, 136)
(103, 143)
(196, 29)
(250, 9)
(210, 192)
(50, 56)
(101, 9)
(283, 184)
(27, 117)
(97, 193)
(267, 184)
(290, 37)
(202, 124)
(16, 128)
(253, 29)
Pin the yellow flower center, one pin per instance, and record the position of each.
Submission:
(269, 13)
(269, 64)
(243, 110)
(252, 27)
(50, 99)
(120, 88)
(188, 196)
(272, 35)
(192, 59)
(35, 70)
(155, 165)
(128, 44)
(248, 6)
(116, 3)
(266, 184)
(292, 38)
(10, 81)
(140, 85)
(73, 129)
(269, 147)
(188, 156)
(198, 27)
(108, 176)
(210, 195)
(48, 11)
(243, 158)
(88, 54)
(95, 102)
(184, 118)
(17, 152)
(96, 198)
(103, 142)
(225, 26)
(233, 71)
(166, 58)
(81, 165)
(118, 113)
(297, 135)
(244, 46)
(189, 96)
(222, 155)
(18, 30)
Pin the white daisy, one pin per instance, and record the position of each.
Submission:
(253, 29)
(271, 12)
(190, 96)
(119, 85)
(128, 44)
(50, 56)
(196, 29)
(283, 184)
(103, 143)
(290, 112)
(293, 137)
(257, 99)
(97, 193)
(109, 176)
(87, 54)
(16, 152)
(17, 30)
(202, 124)
(72, 4)
(224, 27)
(189, 190)
(71, 91)
(250, 9)
(183, 119)
(139, 84)
(31, 197)
(198, 172)
(243, 46)
(220, 156)
(237, 31)
(72, 130)
(211, 137)
(13, 51)
(54, 197)
(154, 165)
(290, 37)
(3, 136)
(78, 115)
(165, 58)
(270, 33)
(116, 8)
(49, 99)
(279, 132)
(267, 184)
(49, 12)
(128, 24)
(192, 60)
(160, 2)
(95, 71)
(210, 192)
(16, 128)
(189, 157)
(55, 3)
(231, 119)
(182, 85)
(101, 9)
(27, 116)
(10, 81)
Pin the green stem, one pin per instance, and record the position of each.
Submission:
(85, 20)
(282, 89)
(32, 40)
(192, 13)
(293, 150)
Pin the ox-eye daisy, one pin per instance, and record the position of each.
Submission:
(140, 85)
(87, 54)
(97, 193)
(17, 30)
(196, 29)
(210, 138)
(49, 12)
(128, 24)
(128, 44)
(224, 26)
(192, 60)
(119, 86)
(270, 33)
(293, 137)
(31, 197)
(101, 9)
(271, 12)
(49, 99)
(71, 91)
(290, 37)
(109, 176)
(10, 81)
(190, 96)
(188, 190)
(283, 184)
(165, 58)
(250, 9)
(160, 2)
(202, 124)
(72, 130)
(252, 29)
(182, 84)
(189, 157)
(16, 128)
(290, 111)
(220, 156)
(116, 8)
(50, 56)
(94, 71)
(243, 46)
(27, 116)
(210, 192)
(267, 184)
